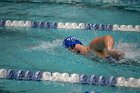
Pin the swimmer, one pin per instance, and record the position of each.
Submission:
(101, 46)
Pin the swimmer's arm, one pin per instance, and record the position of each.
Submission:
(101, 43)
(105, 43)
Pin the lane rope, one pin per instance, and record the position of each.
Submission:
(68, 25)
(71, 78)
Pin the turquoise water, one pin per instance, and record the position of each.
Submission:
(41, 49)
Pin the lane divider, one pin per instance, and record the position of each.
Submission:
(67, 25)
(71, 78)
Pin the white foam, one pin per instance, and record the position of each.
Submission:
(47, 45)
(131, 51)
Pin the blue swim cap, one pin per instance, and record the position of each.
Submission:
(70, 41)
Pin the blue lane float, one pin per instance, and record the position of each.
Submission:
(67, 25)
(51, 25)
(28, 75)
(93, 79)
(20, 75)
(11, 74)
(38, 75)
(71, 78)
(91, 92)
(98, 80)
(2, 23)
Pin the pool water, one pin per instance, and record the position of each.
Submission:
(41, 49)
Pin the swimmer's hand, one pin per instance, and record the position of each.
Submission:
(115, 53)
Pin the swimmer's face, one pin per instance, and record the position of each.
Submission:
(74, 49)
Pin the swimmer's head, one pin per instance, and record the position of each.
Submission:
(71, 41)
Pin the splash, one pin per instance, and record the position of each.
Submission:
(47, 45)
(131, 50)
